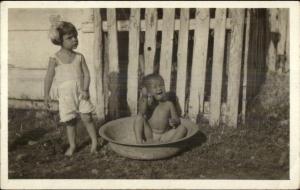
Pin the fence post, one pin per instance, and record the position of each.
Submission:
(113, 77)
(133, 63)
(217, 68)
(199, 62)
(245, 77)
(98, 46)
(235, 61)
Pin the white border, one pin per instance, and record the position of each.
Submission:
(293, 183)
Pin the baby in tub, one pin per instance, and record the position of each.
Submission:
(157, 119)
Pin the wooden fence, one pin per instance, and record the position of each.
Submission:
(202, 56)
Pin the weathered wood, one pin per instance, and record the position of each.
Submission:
(20, 79)
(282, 26)
(105, 75)
(199, 63)
(245, 76)
(235, 62)
(272, 52)
(133, 64)
(150, 39)
(182, 57)
(113, 76)
(123, 25)
(98, 64)
(112, 41)
(287, 48)
(167, 46)
(31, 104)
(217, 68)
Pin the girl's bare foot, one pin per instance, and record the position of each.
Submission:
(94, 148)
(70, 151)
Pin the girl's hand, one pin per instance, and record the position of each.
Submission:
(85, 95)
(47, 100)
(174, 122)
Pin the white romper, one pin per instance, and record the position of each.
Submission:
(69, 77)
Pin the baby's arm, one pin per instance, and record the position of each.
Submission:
(48, 80)
(86, 79)
(174, 121)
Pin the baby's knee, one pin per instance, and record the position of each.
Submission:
(182, 130)
(139, 118)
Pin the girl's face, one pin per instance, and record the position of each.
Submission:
(157, 89)
(70, 41)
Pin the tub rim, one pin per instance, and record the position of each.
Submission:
(102, 129)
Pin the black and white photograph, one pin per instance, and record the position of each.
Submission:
(150, 95)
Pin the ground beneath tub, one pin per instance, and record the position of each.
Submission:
(257, 150)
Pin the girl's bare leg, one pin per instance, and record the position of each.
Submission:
(71, 134)
(89, 125)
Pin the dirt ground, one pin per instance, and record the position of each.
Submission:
(257, 150)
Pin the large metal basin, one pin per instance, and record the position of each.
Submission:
(120, 136)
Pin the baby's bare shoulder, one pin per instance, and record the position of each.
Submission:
(169, 103)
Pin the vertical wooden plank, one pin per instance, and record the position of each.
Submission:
(98, 64)
(217, 68)
(199, 62)
(105, 74)
(182, 57)
(235, 62)
(113, 76)
(245, 77)
(167, 46)
(133, 64)
(287, 48)
(112, 39)
(150, 39)
(282, 21)
(272, 52)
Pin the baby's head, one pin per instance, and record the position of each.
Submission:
(64, 34)
(155, 86)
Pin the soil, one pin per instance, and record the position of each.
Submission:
(258, 149)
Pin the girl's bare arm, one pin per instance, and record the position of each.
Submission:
(49, 77)
(86, 75)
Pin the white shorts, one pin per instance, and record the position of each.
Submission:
(70, 101)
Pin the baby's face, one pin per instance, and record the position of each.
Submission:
(157, 89)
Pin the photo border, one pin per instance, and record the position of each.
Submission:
(292, 183)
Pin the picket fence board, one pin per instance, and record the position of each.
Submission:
(235, 60)
(133, 62)
(217, 70)
(150, 39)
(199, 62)
(182, 57)
(167, 46)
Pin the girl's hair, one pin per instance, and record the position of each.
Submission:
(60, 28)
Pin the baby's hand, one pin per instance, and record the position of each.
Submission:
(174, 122)
(85, 95)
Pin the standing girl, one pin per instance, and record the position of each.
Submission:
(73, 79)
